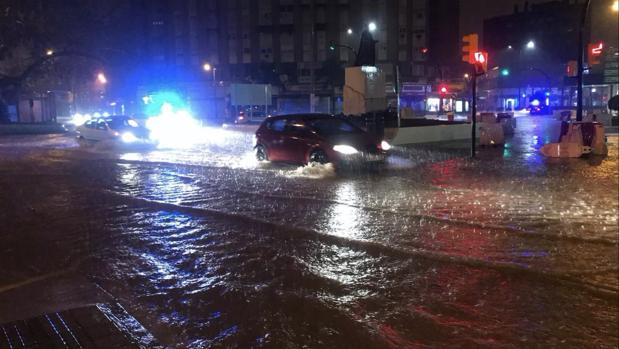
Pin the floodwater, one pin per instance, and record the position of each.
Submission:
(208, 249)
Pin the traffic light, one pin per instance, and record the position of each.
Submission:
(480, 59)
(443, 90)
(470, 45)
(594, 53)
(505, 72)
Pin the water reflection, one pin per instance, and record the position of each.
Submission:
(345, 219)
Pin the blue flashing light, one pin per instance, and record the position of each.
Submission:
(156, 101)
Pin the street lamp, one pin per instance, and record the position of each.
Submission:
(531, 45)
(101, 78)
(349, 31)
(372, 27)
(209, 68)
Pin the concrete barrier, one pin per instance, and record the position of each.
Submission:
(430, 134)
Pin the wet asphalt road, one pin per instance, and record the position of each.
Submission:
(207, 248)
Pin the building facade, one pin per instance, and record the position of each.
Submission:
(299, 46)
(533, 52)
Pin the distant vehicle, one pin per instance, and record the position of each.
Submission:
(540, 110)
(244, 117)
(316, 138)
(121, 128)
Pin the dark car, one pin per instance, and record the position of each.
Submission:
(316, 138)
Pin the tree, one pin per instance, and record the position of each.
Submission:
(52, 44)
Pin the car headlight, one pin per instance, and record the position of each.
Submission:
(128, 137)
(345, 149)
(385, 146)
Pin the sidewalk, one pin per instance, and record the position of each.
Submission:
(31, 129)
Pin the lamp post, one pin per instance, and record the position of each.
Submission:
(207, 67)
(581, 58)
(332, 47)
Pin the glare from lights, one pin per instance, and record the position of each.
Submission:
(345, 149)
(509, 47)
(101, 78)
(466, 76)
(105, 114)
(207, 67)
(615, 6)
(78, 119)
(50, 52)
(384, 145)
(535, 103)
(349, 31)
(128, 137)
(369, 69)
(505, 72)
(97, 115)
(594, 90)
(372, 26)
(531, 45)
(174, 129)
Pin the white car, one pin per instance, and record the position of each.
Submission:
(122, 128)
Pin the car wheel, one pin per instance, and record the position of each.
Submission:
(261, 153)
(318, 157)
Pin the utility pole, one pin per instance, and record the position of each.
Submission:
(581, 58)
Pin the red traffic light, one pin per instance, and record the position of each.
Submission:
(481, 62)
(424, 50)
(443, 90)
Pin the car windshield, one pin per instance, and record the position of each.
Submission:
(333, 127)
(121, 123)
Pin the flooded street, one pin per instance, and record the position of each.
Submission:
(209, 249)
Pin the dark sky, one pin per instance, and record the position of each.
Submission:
(473, 12)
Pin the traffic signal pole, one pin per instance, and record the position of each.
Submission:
(474, 112)
(581, 58)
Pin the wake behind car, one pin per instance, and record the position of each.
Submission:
(113, 128)
(316, 138)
